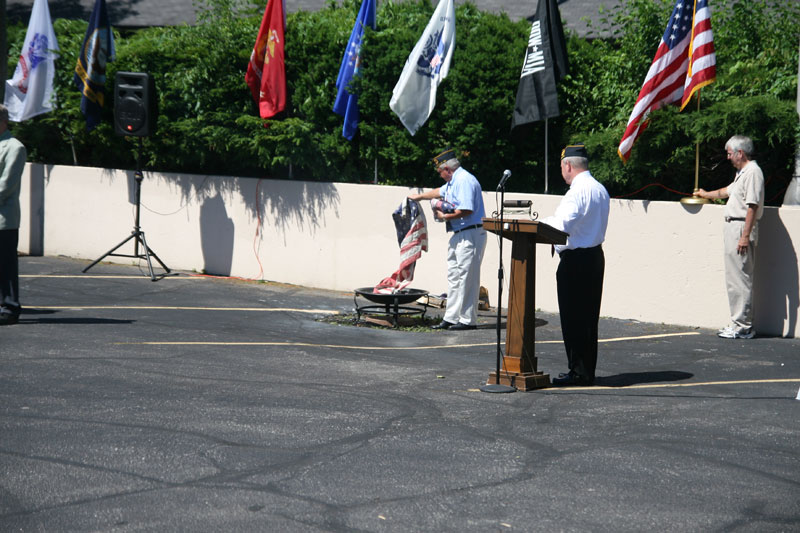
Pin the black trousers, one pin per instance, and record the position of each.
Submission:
(580, 290)
(9, 271)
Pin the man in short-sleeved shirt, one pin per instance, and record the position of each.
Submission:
(12, 163)
(463, 192)
(467, 244)
(740, 234)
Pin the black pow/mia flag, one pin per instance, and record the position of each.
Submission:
(545, 64)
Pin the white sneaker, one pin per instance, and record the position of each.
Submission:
(731, 333)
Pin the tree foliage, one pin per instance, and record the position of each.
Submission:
(209, 124)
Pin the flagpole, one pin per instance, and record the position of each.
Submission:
(72, 144)
(696, 199)
(3, 51)
(546, 165)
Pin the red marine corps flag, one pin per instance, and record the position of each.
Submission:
(684, 63)
(266, 72)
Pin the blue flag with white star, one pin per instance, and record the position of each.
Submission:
(346, 103)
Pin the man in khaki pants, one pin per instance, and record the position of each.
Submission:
(740, 234)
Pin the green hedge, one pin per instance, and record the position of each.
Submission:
(208, 122)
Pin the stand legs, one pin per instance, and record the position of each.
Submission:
(138, 235)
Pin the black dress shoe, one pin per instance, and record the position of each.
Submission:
(444, 324)
(461, 327)
(568, 380)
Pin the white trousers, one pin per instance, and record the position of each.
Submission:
(739, 271)
(464, 257)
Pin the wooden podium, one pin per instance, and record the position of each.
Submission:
(519, 366)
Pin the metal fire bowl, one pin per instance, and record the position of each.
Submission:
(403, 296)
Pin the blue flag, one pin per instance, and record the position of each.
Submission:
(90, 72)
(346, 103)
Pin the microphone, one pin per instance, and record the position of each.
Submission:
(504, 179)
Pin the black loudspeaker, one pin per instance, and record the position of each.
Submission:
(135, 110)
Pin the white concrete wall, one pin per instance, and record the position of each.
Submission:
(663, 259)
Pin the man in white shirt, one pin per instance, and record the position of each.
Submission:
(467, 244)
(740, 234)
(583, 214)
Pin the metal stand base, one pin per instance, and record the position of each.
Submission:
(391, 311)
(694, 200)
(137, 234)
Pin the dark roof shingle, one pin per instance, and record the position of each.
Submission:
(142, 13)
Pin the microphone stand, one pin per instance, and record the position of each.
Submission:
(497, 387)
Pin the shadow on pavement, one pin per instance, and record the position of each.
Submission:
(75, 321)
(87, 320)
(638, 378)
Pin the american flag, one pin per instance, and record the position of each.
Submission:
(412, 235)
(684, 63)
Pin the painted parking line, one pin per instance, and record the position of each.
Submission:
(308, 311)
(302, 344)
(672, 385)
(349, 347)
(636, 338)
(179, 308)
(473, 345)
(314, 311)
(104, 276)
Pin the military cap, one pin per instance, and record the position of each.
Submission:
(444, 157)
(574, 150)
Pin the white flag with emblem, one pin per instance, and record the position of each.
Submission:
(414, 96)
(30, 91)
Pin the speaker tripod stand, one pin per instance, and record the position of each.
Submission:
(137, 235)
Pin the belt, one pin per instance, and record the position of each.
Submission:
(583, 250)
(729, 219)
(468, 227)
(593, 249)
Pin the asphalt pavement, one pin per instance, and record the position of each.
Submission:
(196, 403)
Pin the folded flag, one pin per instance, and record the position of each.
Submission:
(437, 204)
(412, 236)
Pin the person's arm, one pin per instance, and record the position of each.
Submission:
(567, 212)
(749, 222)
(11, 172)
(712, 195)
(458, 213)
(427, 195)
